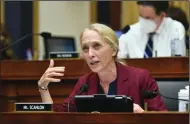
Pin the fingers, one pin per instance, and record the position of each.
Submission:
(137, 108)
(51, 67)
(51, 64)
(53, 80)
(95, 112)
(53, 74)
(56, 69)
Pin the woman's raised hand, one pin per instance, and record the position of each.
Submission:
(52, 74)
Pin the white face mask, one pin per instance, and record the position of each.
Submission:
(147, 25)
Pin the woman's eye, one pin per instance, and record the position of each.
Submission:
(85, 49)
(97, 46)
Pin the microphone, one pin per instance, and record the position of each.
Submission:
(151, 94)
(45, 35)
(83, 88)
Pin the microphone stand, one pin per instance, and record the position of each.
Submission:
(73, 98)
(173, 98)
(84, 88)
(20, 39)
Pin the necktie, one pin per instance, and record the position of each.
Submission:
(149, 47)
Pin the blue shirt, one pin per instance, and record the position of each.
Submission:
(111, 90)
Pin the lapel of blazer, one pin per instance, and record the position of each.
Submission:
(122, 79)
(92, 83)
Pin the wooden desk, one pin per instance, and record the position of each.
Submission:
(176, 67)
(103, 118)
(19, 78)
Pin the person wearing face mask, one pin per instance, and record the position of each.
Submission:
(99, 49)
(154, 35)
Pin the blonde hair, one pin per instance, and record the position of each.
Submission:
(107, 33)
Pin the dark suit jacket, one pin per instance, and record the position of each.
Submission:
(131, 81)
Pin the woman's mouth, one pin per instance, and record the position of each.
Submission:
(94, 62)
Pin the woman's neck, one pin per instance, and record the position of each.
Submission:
(109, 74)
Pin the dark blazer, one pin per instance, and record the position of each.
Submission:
(131, 81)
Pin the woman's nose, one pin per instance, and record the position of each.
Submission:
(91, 52)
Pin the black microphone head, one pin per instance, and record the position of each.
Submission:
(45, 35)
(84, 88)
(150, 94)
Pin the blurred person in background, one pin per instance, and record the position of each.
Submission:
(6, 52)
(154, 35)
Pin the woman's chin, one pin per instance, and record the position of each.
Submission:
(95, 69)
